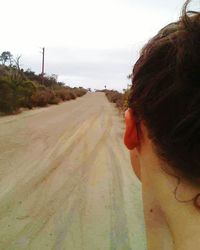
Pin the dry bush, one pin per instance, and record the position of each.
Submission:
(41, 98)
(117, 98)
(70, 93)
(126, 97)
(54, 100)
(65, 94)
(79, 91)
(114, 96)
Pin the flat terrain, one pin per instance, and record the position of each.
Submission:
(66, 181)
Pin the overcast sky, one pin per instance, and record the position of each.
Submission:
(89, 43)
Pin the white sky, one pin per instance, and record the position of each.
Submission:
(88, 43)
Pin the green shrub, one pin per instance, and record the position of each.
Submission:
(8, 97)
(25, 91)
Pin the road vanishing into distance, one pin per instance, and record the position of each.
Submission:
(66, 181)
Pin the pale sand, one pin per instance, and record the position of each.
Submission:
(66, 181)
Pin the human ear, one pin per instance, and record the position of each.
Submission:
(131, 135)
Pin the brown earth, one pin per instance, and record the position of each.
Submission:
(66, 182)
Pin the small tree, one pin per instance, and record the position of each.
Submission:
(6, 56)
(17, 62)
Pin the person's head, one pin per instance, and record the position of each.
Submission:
(165, 97)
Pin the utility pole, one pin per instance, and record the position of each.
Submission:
(43, 51)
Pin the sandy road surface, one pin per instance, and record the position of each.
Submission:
(66, 181)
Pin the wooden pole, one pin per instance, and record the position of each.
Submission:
(43, 51)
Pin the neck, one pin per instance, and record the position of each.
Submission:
(170, 224)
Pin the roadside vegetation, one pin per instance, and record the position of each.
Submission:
(120, 99)
(21, 88)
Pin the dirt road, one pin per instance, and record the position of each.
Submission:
(66, 182)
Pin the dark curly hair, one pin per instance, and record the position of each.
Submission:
(165, 93)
